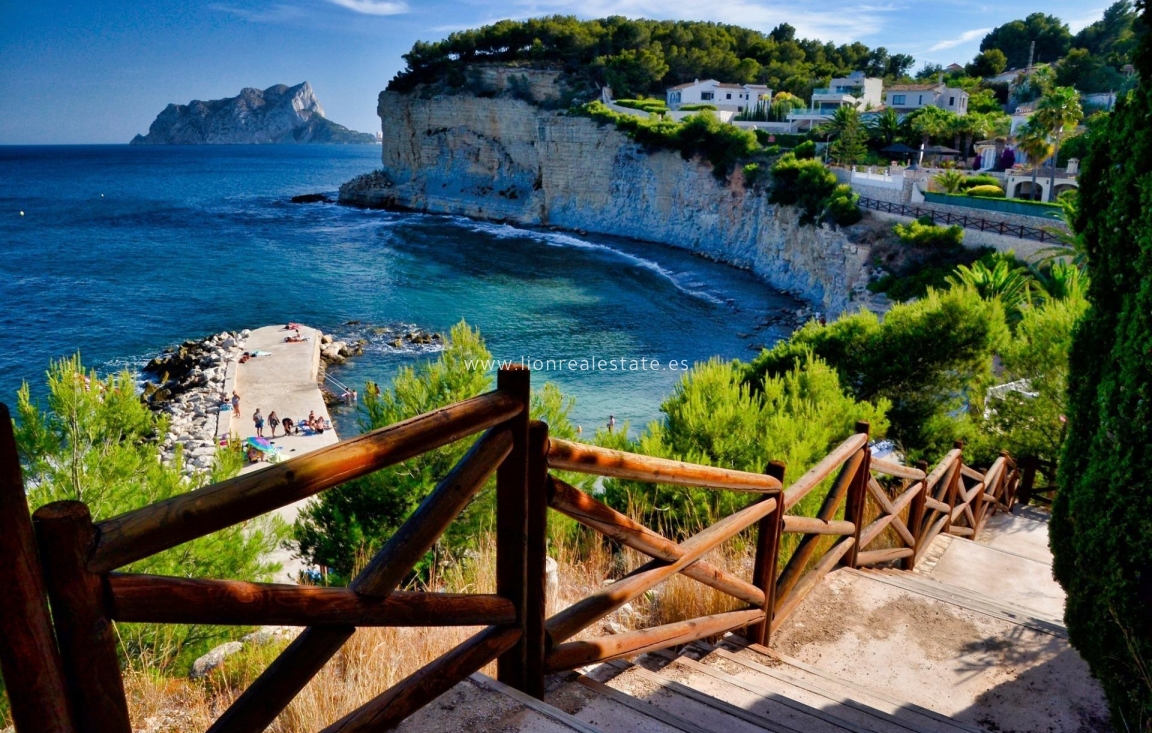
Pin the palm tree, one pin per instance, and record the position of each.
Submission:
(930, 122)
(1058, 111)
(844, 118)
(950, 181)
(886, 127)
(1032, 138)
(1011, 285)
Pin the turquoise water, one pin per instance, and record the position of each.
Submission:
(124, 250)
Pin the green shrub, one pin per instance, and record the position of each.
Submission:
(355, 519)
(810, 186)
(980, 179)
(890, 360)
(842, 207)
(644, 105)
(783, 139)
(1100, 519)
(714, 417)
(752, 173)
(806, 149)
(94, 441)
(700, 134)
(988, 192)
(918, 234)
(698, 107)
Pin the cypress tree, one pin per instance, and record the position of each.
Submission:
(1101, 531)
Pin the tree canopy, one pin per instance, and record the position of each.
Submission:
(1014, 39)
(639, 57)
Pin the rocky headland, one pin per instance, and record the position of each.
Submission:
(278, 114)
(504, 153)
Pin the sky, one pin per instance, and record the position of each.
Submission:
(100, 72)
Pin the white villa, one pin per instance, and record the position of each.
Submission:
(856, 90)
(905, 98)
(726, 97)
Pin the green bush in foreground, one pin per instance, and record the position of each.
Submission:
(924, 358)
(644, 105)
(805, 150)
(93, 441)
(714, 417)
(698, 107)
(1102, 517)
(988, 192)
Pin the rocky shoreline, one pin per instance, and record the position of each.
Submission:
(192, 382)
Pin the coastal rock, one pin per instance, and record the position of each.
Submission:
(213, 659)
(503, 159)
(278, 114)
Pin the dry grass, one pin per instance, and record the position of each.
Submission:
(375, 659)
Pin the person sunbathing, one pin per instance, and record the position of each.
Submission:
(295, 339)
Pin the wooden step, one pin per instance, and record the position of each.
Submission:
(719, 678)
(965, 598)
(480, 704)
(610, 710)
(715, 714)
(760, 665)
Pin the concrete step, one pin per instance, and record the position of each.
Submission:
(1024, 532)
(968, 598)
(611, 710)
(970, 662)
(759, 665)
(694, 698)
(742, 686)
(480, 704)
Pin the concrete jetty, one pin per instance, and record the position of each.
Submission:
(284, 381)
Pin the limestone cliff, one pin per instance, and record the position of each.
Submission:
(498, 158)
(279, 114)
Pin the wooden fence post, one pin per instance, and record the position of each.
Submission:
(768, 534)
(854, 507)
(29, 660)
(535, 641)
(954, 486)
(83, 626)
(512, 524)
(1030, 464)
(916, 518)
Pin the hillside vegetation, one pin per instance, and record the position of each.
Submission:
(638, 57)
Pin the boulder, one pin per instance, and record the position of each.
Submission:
(213, 659)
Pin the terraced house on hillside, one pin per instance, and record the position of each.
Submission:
(725, 96)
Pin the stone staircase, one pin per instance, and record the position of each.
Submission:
(972, 641)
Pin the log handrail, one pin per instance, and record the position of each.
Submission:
(88, 596)
(165, 600)
(144, 532)
(569, 456)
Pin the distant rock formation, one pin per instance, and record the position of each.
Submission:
(279, 114)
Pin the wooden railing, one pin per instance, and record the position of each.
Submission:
(61, 667)
(1038, 234)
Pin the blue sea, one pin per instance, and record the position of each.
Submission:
(122, 251)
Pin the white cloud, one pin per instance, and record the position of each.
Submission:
(1078, 23)
(964, 37)
(373, 7)
(274, 14)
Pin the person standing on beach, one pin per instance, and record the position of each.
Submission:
(258, 419)
(273, 422)
(235, 403)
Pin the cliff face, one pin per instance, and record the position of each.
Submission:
(279, 114)
(504, 159)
